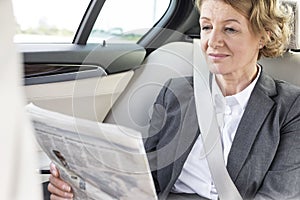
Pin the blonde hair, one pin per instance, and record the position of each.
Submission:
(268, 18)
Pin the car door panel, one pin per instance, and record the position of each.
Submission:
(113, 58)
(52, 73)
(89, 98)
(79, 80)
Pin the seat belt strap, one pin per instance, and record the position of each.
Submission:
(209, 129)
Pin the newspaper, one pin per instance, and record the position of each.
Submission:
(99, 161)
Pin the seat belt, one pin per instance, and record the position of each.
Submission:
(208, 125)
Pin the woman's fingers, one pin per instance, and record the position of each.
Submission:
(58, 188)
(54, 171)
(59, 183)
(59, 192)
(54, 197)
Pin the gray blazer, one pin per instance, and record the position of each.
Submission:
(264, 161)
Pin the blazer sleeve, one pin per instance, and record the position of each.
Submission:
(154, 133)
(282, 180)
(157, 120)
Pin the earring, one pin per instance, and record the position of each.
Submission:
(260, 46)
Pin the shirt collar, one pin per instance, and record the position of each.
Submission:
(243, 96)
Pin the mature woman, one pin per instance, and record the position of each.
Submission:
(261, 118)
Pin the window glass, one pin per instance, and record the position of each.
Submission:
(126, 21)
(47, 21)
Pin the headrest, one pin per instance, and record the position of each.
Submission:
(295, 38)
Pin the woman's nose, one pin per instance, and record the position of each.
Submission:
(215, 39)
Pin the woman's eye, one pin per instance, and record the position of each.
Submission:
(205, 28)
(230, 30)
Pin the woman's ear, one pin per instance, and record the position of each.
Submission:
(261, 42)
(264, 39)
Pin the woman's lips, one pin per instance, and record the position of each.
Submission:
(217, 56)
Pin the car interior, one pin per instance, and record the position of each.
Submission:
(118, 83)
(174, 59)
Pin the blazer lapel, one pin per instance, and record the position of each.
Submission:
(259, 105)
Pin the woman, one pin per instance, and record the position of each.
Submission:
(261, 117)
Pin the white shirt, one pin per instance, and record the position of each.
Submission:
(195, 176)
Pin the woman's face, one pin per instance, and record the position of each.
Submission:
(230, 47)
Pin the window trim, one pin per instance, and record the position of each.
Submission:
(88, 20)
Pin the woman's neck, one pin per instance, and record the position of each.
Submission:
(234, 83)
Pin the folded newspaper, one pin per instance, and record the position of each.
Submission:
(99, 161)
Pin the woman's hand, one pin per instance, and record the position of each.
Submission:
(57, 187)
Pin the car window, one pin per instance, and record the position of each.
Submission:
(56, 21)
(126, 21)
(47, 21)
